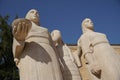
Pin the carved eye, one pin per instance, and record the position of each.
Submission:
(87, 20)
(32, 12)
(37, 13)
(52, 34)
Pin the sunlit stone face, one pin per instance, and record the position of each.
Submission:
(33, 15)
(56, 35)
(88, 23)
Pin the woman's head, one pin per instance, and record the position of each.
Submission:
(33, 16)
(87, 24)
(56, 35)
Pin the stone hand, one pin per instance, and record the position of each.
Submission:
(95, 70)
(20, 31)
(16, 61)
(21, 28)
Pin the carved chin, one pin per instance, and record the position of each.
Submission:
(35, 20)
(90, 26)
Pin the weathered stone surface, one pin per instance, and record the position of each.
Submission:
(102, 61)
(83, 70)
(34, 52)
(68, 65)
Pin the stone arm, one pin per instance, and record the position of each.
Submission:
(92, 62)
(20, 29)
(90, 58)
(18, 48)
(77, 55)
(87, 52)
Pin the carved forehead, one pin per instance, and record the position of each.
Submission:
(86, 19)
(28, 14)
(55, 32)
(32, 10)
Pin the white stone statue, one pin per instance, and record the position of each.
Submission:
(69, 69)
(33, 49)
(103, 61)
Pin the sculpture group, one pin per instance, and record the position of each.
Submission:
(41, 55)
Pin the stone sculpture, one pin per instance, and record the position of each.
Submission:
(33, 49)
(69, 69)
(103, 61)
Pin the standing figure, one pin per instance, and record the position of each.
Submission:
(103, 61)
(33, 50)
(69, 69)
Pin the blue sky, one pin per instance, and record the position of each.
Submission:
(67, 15)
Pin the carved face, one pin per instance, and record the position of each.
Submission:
(33, 15)
(56, 35)
(87, 23)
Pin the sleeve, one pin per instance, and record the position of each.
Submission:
(18, 48)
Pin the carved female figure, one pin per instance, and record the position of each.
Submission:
(69, 69)
(102, 60)
(34, 52)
